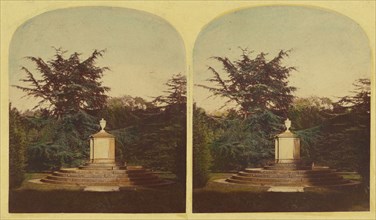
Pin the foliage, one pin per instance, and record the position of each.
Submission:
(151, 133)
(255, 84)
(17, 148)
(246, 142)
(260, 89)
(336, 134)
(309, 112)
(348, 131)
(124, 116)
(73, 92)
(202, 138)
(67, 85)
(60, 142)
(173, 132)
(175, 93)
(308, 116)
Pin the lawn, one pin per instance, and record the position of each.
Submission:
(219, 197)
(48, 198)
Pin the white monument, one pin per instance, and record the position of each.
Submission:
(102, 146)
(287, 146)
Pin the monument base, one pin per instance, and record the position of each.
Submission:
(105, 174)
(290, 174)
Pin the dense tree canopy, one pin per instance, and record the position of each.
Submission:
(176, 93)
(67, 85)
(17, 148)
(152, 133)
(260, 89)
(255, 84)
(347, 133)
(203, 136)
(70, 92)
(173, 132)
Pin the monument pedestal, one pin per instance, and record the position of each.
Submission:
(102, 146)
(287, 147)
(288, 169)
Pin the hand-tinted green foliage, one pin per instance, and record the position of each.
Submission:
(246, 142)
(173, 133)
(336, 134)
(260, 89)
(255, 84)
(309, 112)
(73, 91)
(152, 134)
(202, 138)
(308, 115)
(17, 148)
(124, 117)
(67, 85)
(60, 142)
(347, 134)
(175, 93)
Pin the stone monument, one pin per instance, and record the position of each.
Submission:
(102, 168)
(288, 169)
(102, 146)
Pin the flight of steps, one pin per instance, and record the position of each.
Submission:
(290, 175)
(105, 174)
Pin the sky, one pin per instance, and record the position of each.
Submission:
(330, 51)
(142, 50)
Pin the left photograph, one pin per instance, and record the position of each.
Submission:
(97, 113)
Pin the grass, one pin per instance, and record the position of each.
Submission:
(215, 197)
(48, 198)
(219, 197)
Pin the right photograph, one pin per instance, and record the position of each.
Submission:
(281, 115)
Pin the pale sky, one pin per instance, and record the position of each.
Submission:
(143, 50)
(330, 51)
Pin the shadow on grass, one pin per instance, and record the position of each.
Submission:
(128, 201)
(49, 198)
(209, 201)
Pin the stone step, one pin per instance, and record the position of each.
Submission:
(101, 179)
(99, 167)
(75, 170)
(112, 166)
(135, 167)
(93, 175)
(260, 170)
(105, 174)
(284, 174)
(101, 174)
(287, 179)
(102, 171)
(288, 183)
(137, 171)
(102, 164)
(157, 182)
(287, 167)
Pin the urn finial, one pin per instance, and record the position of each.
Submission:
(288, 124)
(102, 122)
